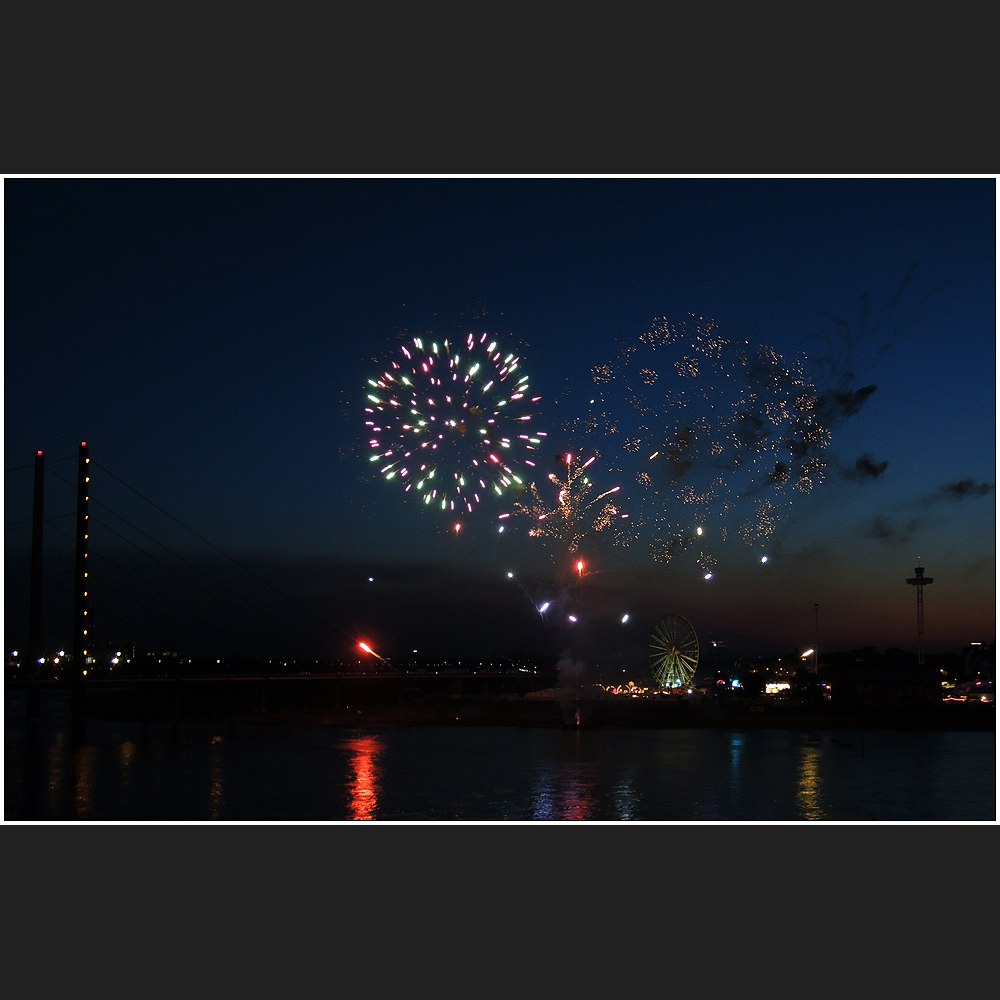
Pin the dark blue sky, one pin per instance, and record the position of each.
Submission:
(211, 340)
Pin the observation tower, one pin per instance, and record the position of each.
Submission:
(920, 581)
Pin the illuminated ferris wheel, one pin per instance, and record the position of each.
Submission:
(673, 651)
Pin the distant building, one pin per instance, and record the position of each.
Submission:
(884, 685)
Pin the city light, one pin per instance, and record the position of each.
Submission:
(763, 559)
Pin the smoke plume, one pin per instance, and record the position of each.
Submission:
(570, 671)
(865, 468)
(965, 488)
(836, 405)
(895, 530)
(883, 530)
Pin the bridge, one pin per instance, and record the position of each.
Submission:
(149, 699)
(133, 575)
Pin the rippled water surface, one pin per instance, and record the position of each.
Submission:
(131, 771)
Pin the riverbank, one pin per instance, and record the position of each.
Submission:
(599, 714)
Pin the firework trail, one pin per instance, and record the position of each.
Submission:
(451, 421)
(576, 512)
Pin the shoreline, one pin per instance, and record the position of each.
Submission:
(550, 709)
(592, 715)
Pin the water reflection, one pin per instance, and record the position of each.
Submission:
(543, 797)
(56, 758)
(86, 766)
(365, 786)
(126, 766)
(156, 766)
(215, 779)
(577, 798)
(808, 795)
(565, 791)
(161, 772)
(626, 799)
(735, 752)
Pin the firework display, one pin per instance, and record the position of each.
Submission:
(719, 436)
(576, 512)
(451, 421)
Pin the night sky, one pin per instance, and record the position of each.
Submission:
(212, 341)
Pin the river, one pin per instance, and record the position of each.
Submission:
(194, 772)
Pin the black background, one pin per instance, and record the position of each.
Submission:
(282, 910)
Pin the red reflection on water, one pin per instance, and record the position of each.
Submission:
(365, 786)
(577, 802)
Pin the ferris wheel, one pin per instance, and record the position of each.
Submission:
(673, 651)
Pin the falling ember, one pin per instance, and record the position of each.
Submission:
(579, 567)
(458, 528)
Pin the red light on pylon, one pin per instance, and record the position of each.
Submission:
(458, 528)
(579, 567)
(38, 453)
